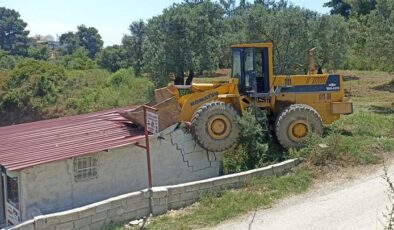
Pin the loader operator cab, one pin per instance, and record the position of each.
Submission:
(251, 66)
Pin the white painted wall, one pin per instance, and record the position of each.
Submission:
(175, 157)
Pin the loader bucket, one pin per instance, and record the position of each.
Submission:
(167, 107)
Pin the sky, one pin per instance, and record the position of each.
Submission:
(111, 17)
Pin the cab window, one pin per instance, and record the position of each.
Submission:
(236, 71)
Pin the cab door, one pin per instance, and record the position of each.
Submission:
(243, 68)
(251, 67)
(262, 70)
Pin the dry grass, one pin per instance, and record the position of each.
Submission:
(373, 91)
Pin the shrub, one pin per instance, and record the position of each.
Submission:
(30, 88)
(252, 149)
(78, 61)
(39, 52)
(113, 58)
(7, 62)
(122, 88)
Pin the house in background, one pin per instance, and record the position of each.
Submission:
(55, 165)
(48, 39)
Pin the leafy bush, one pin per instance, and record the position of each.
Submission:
(113, 58)
(31, 87)
(78, 61)
(122, 88)
(3, 78)
(252, 149)
(7, 61)
(39, 52)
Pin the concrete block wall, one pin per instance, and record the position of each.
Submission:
(182, 195)
(121, 208)
(136, 205)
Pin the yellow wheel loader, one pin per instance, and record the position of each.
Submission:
(295, 105)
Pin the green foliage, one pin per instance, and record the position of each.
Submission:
(341, 7)
(39, 52)
(347, 7)
(13, 36)
(79, 60)
(183, 39)
(371, 38)
(113, 58)
(330, 37)
(70, 42)
(362, 7)
(30, 88)
(133, 45)
(37, 90)
(252, 149)
(122, 88)
(287, 29)
(228, 6)
(7, 61)
(90, 39)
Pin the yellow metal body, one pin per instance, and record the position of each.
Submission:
(329, 104)
(199, 94)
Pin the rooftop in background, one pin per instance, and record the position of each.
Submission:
(30, 144)
(43, 38)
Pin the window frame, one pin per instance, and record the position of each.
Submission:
(85, 168)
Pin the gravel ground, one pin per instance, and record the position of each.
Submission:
(355, 200)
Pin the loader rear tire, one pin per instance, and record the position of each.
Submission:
(296, 123)
(215, 126)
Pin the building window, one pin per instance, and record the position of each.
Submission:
(85, 168)
(13, 191)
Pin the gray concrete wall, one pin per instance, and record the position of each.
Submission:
(176, 158)
(136, 205)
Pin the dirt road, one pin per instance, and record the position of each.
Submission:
(356, 204)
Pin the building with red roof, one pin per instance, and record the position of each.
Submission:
(59, 164)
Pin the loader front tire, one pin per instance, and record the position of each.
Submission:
(215, 126)
(296, 123)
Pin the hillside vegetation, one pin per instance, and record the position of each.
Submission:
(36, 90)
(40, 80)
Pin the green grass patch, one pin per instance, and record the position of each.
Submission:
(359, 138)
(214, 208)
(365, 123)
(362, 137)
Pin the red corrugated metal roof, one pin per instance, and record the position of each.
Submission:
(35, 143)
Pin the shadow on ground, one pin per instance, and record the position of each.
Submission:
(386, 87)
(328, 130)
(350, 78)
(383, 110)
